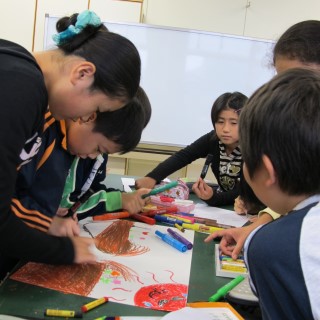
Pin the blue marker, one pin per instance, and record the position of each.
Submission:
(165, 219)
(171, 241)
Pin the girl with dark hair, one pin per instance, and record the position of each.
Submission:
(222, 143)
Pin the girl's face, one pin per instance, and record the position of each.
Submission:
(81, 104)
(70, 94)
(226, 128)
(83, 142)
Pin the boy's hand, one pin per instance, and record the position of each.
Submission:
(145, 182)
(83, 248)
(64, 227)
(133, 202)
(202, 190)
(232, 240)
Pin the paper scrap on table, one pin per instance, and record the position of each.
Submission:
(223, 216)
(127, 184)
(188, 313)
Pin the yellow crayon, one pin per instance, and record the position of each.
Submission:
(234, 268)
(62, 313)
(179, 227)
(200, 227)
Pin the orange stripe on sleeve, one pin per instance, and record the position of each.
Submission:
(46, 155)
(26, 213)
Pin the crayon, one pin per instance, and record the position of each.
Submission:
(62, 313)
(179, 227)
(111, 216)
(161, 189)
(180, 238)
(93, 304)
(234, 268)
(171, 241)
(200, 227)
(142, 218)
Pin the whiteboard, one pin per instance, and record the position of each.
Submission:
(184, 71)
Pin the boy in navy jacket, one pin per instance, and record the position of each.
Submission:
(72, 151)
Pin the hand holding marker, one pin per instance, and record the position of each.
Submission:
(206, 166)
(160, 189)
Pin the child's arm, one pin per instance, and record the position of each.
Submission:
(145, 182)
(233, 239)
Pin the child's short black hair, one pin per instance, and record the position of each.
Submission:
(228, 100)
(125, 126)
(282, 121)
(300, 42)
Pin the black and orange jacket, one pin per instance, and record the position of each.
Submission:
(41, 183)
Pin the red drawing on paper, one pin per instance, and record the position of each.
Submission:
(165, 296)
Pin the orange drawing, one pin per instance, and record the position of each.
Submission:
(114, 240)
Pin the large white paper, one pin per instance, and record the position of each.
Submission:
(222, 216)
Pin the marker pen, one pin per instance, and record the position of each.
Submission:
(162, 218)
(225, 289)
(182, 218)
(171, 241)
(93, 304)
(111, 216)
(206, 166)
(161, 189)
(142, 218)
(152, 213)
(62, 313)
(200, 227)
(180, 238)
(77, 204)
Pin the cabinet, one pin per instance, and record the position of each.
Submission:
(141, 163)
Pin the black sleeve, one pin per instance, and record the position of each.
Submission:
(23, 103)
(223, 198)
(198, 149)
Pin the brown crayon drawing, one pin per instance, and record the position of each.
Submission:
(75, 279)
(114, 240)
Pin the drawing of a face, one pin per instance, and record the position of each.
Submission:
(167, 296)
